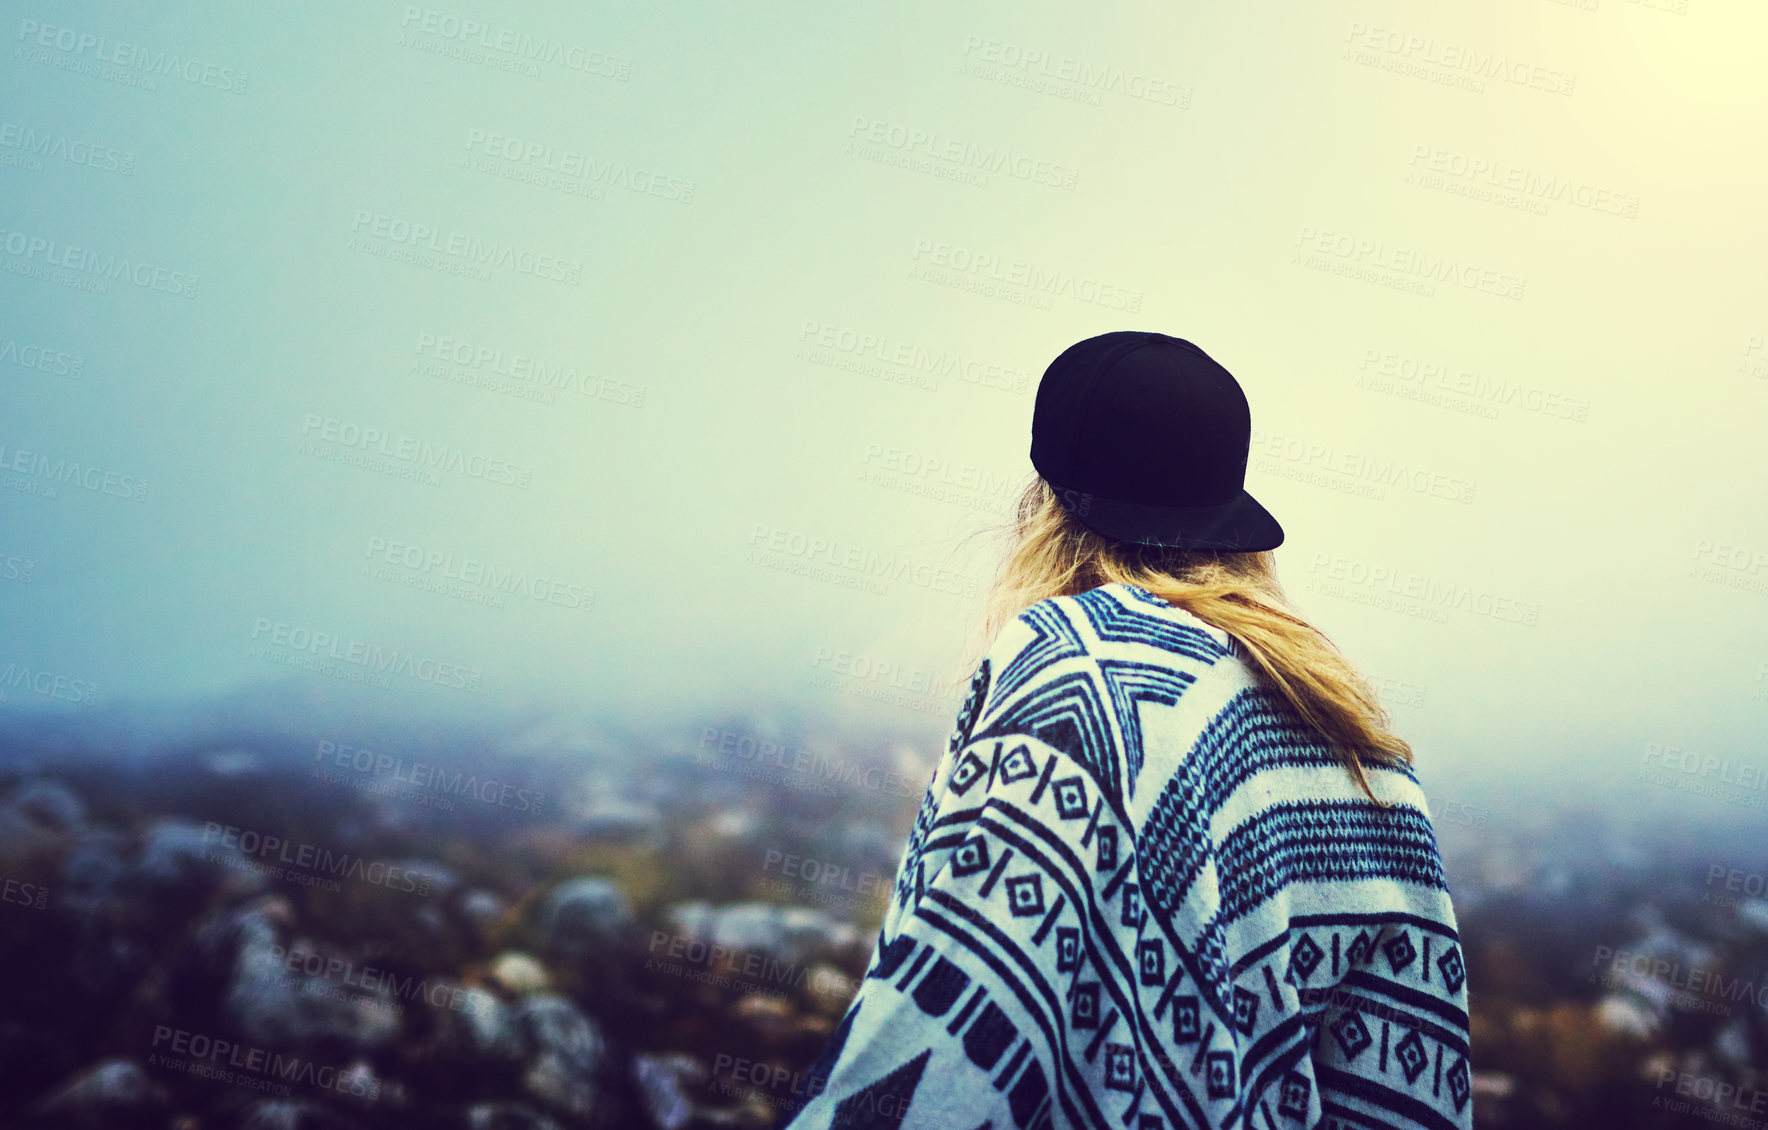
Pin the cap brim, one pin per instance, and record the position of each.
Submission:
(1238, 525)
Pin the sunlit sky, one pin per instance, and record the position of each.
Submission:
(727, 225)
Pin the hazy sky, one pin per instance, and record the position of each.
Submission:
(305, 308)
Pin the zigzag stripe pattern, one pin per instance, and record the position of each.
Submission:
(1260, 948)
(1116, 622)
(1299, 841)
(1053, 640)
(1068, 712)
(1129, 683)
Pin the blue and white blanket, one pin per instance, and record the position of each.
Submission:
(1141, 894)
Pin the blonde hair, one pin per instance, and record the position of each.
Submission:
(1052, 554)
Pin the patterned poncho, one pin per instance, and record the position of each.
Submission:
(1141, 894)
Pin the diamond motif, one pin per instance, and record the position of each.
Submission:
(1459, 1084)
(1107, 850)
(1453, 971)
(1187, 1020)
(1067, 949)
(1304, 957)
(1025, 895)
(1359, 950)
(1084, 1013)
(971, 857)
(1293, 1100)
(1071, 798)
(1245, 1010)
(1219, 1073)
(1399, 951)
(1151, 959)
(1351, 1034)
(969, 768)
(1018, 765)
(1120, 1067)
(1132, 905)
(1411, 1054)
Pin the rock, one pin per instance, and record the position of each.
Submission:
(234, 762)
(92, 874)
(771, 1015)
(585, 917)
(182, 858)
(433, 879)
(786, 934)
(113, 1092)
(507, 1116)
(664, 1082)
(294, 1114)
(281, 996)
(482, 908)
(830, 988)
(301, 994)
(599, 816)
(491, 1026)
(48, 804)
(567, 1054)
(517, 973)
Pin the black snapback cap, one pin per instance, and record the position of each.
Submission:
(1144, 438)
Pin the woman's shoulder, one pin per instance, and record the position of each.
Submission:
(1116, 621)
